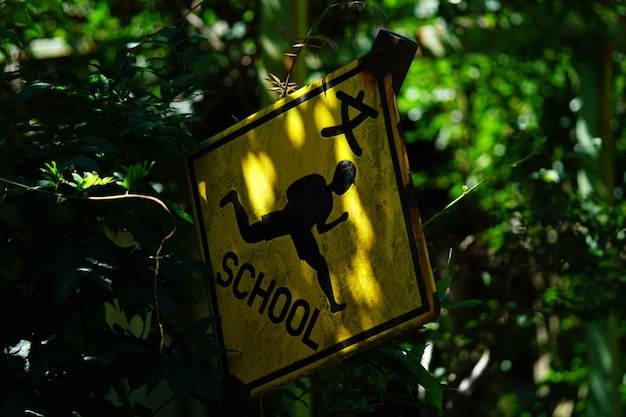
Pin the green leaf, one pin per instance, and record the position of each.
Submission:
(28, 92)
(183, 380)
(90, 179)
(114, 346)
(84, 162)
(169, 32)
(175, 208)
(140, 410)
(100, 81)
(290, 395)
(77, 178)
(206, 386)
(379, 379)
(301, 385)
(166, 91)
(125, 66)
(175, 267)
(52, 174)
(194, 332)
(140, 125)
(443, 285)
(180, 380)
(434, 392)
(208, 353)
(95, 144)
(134, 173)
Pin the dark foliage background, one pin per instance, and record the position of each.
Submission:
(514, 116)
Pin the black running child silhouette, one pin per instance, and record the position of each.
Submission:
(309, 203)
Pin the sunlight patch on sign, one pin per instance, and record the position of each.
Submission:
(260, 177)
(369, 289)
(307, 273)
(295, 129)
(365, 231)
(323, 115)
(342, 332)
(202, 190)
(343, 151)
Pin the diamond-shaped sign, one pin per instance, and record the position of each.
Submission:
(307, 216)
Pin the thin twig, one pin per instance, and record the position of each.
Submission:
(157, 255)
(307, 38)
(467, 191)
(304, 45)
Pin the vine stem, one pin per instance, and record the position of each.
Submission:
(305, 43)
(157, 254)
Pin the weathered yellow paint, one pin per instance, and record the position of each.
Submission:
(260, 177)
(295, 125)
(201, 189)
(283, 328)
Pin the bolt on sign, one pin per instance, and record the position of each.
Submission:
(307, 217)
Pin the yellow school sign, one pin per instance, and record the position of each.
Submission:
(307, 218)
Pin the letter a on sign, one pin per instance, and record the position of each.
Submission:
(306, 214)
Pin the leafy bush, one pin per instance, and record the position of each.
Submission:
(93, 260)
